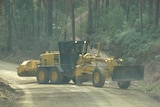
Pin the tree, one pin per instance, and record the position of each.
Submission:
(127, 13)
(96, 15)
(1, 4)
(140, 16)
(90, 20)
(39, 18)
(8, 15)
(157, 13)
(107, 3)
(48, 4)
(150, 10)
(73, 20)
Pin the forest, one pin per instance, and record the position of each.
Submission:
(127, 29)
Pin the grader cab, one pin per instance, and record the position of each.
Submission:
(74, 62)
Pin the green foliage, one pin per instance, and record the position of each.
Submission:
(149, 88)
(112, 21)
(134, 45)
(119, 37)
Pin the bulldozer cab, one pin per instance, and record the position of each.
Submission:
(69, 53)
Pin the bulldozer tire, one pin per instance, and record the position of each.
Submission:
(42, 76)
(98, 78)
(66, 80)
(124, 84)
(56, 77)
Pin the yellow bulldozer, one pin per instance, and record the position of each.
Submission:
(74, 62)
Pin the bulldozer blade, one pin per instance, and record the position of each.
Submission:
(128, 73)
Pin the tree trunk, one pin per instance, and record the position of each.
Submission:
(73, 22)
(65, 26)
(8, 15)
(48, 17)
(150, 3)
(38, 19)
(157, 13)
(49, 2)
(1, 3)
(90, 21)
(47, 21)
(127, 15)
(102, 9)
(140, 16)
(96, 16)
(107, 3)
(32, 24)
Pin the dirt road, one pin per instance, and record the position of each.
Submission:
(70, 95)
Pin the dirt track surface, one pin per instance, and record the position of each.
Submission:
(30, 94)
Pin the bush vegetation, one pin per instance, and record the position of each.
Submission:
(127, 29)
(34, 26)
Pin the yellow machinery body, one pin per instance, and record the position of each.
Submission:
(27, 68)
(73, 62)
(87, 63)
(101, 68)
(50, 58)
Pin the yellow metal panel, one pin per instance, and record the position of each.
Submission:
(27, 68)
(84, 69)
(51, 58)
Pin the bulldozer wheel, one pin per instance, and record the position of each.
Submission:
(124, 84)
(42, 76)
(98, 78)
(56, 77)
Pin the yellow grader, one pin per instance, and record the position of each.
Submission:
(73, 62)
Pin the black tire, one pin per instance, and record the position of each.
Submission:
(56, 77)
(42, 76)
(124, 84)
(66, 80)
(98, 78)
